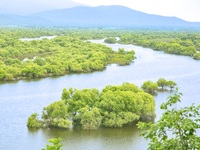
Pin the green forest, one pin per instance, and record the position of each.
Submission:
(68, 53)
(114, 106)
(58, 56)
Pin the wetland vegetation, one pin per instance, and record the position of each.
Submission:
(69, 53)
(114, 106)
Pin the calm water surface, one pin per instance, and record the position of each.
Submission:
(18, 100)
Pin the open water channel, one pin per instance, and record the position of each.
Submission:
(20, 99)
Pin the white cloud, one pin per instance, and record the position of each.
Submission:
(185, 9)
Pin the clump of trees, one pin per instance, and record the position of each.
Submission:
(197, 56)
(111, 40)
(33, 121)
(56, 57)
(54, 115)
(151, 87)
(182, 123)
(180, 43)
(164, 83)
(129, 56)
(115, 106)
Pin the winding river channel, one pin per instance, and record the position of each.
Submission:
(20, 99)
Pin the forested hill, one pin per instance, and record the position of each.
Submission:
(98, 16)
(110, 15)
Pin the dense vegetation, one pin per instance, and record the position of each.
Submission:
(110, 40)
(69, 53)
(181, 44)
(182, 123)
(115, 106)
(151, 87)
(55, 144)
(57, 56)
(197, 56)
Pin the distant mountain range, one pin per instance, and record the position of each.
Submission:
(25, 7)
(98, 16)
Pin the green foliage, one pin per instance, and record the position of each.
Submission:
(61, 123)
(121, 51)
(124, 87)
(56, 115)
(145, 84)
(55, 145)
(197, 56)
(2, 73)
(181, 43)
(58, 56)
(171, 84)
(69, 53)
(197, 45)
(115, 106)
(151, 88)
(130, 52)
(65, 95)
(162, 82)
(110, 40)
(182, 123)
(90, 119)
(33, 122)
(55, 110)
(120, 107)
(40, 61)
(81, 98)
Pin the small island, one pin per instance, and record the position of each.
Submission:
(152, 87)
(115, 106)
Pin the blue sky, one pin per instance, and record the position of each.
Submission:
(185, 9)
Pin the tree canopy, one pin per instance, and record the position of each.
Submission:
(55, 144)
(182, 123)
(58, 56)
(115, 106)
(151, 87)
(110, 40)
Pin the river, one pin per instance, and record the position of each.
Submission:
(20, 99)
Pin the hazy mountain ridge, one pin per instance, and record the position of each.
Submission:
(109, 15)
(102, 15)
(25, 7)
